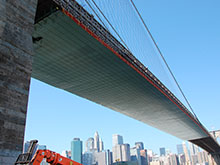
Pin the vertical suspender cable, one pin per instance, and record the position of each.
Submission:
(96, 14)
(163, 59)
(110, 24)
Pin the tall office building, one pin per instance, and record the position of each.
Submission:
(135, 155)
(139, 145)
(109, 157)
(182, 159)
(125, 152)
(117, 139)
(194, 159)
(96, 142)
(203, 157)
(101, 145)
(76, 150)
(194, 149)
(150, 155)
(179, 148)
(88, 158)
(186, 153)
(116, 153)
(101, 158)
(162, 151)
(89, 145)
(144, 159)
(173, 159)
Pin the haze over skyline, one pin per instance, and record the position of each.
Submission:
(188, 35)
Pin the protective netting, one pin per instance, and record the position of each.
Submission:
(121, 19)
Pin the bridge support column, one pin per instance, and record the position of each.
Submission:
(16, 26)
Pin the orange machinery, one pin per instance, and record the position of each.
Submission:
(51, 157)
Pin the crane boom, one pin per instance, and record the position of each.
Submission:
(51, 157)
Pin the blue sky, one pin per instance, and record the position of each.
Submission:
(188, 34)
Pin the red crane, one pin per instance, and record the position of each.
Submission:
(51, 157)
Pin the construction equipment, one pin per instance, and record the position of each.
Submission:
(51, 157)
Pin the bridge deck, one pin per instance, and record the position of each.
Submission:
(67, 57)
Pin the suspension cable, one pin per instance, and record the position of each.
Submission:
(96, 14)
(110, 24)
(163, 59)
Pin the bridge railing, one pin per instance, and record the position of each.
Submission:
(88, 20)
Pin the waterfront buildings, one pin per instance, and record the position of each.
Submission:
(123, 154)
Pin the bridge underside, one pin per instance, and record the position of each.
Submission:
(67, 57)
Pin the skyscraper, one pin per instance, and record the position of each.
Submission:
(89, 145)
(194, 149)
(125, 152)
(150, 155)
(144, 160)
(101, 158)
(96, 142)
(88, 158)
(76, 150)
(194, 159)
(179, 148)
(117, 139)
(173, 159)
(101, 145)
(162, 151)
(139, 145)
(109, 157)
(186, 153)
(135, 155)
(182, 159)
(116, 153)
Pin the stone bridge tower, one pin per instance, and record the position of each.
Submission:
(16, 27)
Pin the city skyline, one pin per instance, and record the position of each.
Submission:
(123, 152)
(88, 146)
(134, 154)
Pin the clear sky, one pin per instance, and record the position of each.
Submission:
(188, 34)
